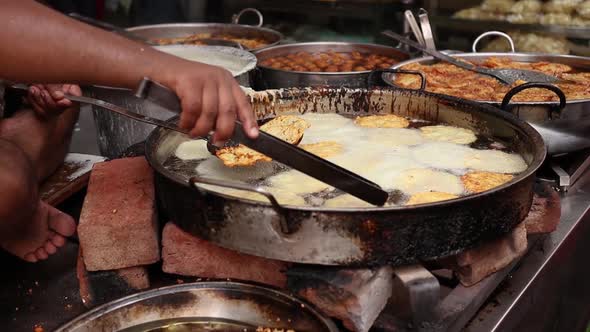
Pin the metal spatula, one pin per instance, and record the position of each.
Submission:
(506, 76)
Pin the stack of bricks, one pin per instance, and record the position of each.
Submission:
(118, 229)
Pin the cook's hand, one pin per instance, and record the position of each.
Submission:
(48, 99)
(212, 100)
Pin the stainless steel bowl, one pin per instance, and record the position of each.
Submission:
(235, 304)
(269, 78)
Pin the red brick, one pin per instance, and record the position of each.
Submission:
(545, 213)
(474, 265)
(187, 255)
(354, 296)
(118, 224)
(104, 286)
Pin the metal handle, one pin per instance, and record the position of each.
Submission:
(434, 53)
(426, 29)
(195, 180)
(236, 17)
(510, 94)
(413, 23)
(396, 71)
(493, 33)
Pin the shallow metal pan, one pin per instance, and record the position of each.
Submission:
(528, 111)
(356, 237)
(172, 30)
(270, 78)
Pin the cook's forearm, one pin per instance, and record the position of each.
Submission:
(38, 44)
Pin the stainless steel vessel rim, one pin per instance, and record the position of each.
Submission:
(201, 285)
(517, 56)
(204, 25)
(538, 160)
(286, 46)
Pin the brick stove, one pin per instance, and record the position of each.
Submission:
(478, 290)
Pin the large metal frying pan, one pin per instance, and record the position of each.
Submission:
(354, 237)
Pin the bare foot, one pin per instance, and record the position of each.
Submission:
(46, 232)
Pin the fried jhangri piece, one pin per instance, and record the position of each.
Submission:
(325, 149)
(268, 329)
(289, 128)
(429, 197)
(476, 182)
(382, 121)
(448, 79)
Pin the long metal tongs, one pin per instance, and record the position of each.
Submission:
(423, 32)
(266, 144)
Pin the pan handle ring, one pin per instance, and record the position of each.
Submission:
(395, 71)
(493, 33)
(236, 17)
(195, 180)
(510, 94)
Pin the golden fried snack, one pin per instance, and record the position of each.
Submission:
(325, 149)
(240, 156)
(477, 182)
(382, 121)
(448, 134)
(429, 197)
(289, 128)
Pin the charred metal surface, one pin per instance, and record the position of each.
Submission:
(359, 237)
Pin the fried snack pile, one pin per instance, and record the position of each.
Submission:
(445, 78)
(329, 62)
(575, 13)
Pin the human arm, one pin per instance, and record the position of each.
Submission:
(46, 46)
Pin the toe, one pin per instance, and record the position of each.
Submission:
(61, 222)
(41, 254)
(58, 240)
(50, 248)
(30, 257)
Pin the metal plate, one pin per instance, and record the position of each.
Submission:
(244, 304)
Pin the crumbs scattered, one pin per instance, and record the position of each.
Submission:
(114, 211)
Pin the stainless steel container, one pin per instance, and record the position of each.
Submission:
(239, 306)
(269, 78)
(528, 111)
(173, 30)
(116, 133)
